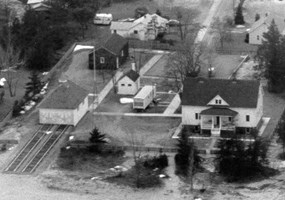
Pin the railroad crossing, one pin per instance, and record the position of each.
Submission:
(36, 149)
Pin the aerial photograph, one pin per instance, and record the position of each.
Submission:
(142, 99)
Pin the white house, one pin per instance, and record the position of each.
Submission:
(143, 28)
(67, 104)
(218, 106)
(129, 84)
(261, 26)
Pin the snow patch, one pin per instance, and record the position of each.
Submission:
(80, 47)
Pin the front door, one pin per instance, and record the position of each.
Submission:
(217, 121)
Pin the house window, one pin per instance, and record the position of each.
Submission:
(247, 118)
(135, 32)
(218, 101)
(102, 60)
(115, 31)
(257, 37)
(122, 53)
(122, 84)
(129, 85)
(196, 115)
(230, 119)
(247, 130)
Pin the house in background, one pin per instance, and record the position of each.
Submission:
(129, 84)
(146, 27)
(67, 104)
(255, 34)
(221, 106)
(38, 5)
(111, 55)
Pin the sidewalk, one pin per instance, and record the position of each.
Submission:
(172, 107)
(137, 114)
(150, 63)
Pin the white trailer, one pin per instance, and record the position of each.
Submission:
(144, 97)
(103, 18)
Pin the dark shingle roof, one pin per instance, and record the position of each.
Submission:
(237, 93)
(115, 43)
(67, 95)
(219, 111)
(132, 75)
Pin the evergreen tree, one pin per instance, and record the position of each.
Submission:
(270, 57)
(97, 139)
(239, 20)
(34, 86)
(237, 160)
(184, 156)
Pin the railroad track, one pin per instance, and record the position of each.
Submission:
(31, 155)
(42, 152)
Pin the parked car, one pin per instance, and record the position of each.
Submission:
(103, 19)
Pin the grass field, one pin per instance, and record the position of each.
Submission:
(147, 131)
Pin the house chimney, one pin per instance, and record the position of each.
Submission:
(134, 66)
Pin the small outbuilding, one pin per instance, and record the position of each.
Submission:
(111, 55)
(67, 104)
(129, 84)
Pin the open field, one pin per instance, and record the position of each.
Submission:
(148, 131)
(111, 103)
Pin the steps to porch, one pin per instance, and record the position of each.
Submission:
(216, 132)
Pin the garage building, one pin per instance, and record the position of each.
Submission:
(67, 104)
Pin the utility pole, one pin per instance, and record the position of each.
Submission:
(95, 86)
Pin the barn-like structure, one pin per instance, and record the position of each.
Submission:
(67, 104)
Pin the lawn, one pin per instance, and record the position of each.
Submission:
(146, 131)
(160, 68)
(162, 84)
(224, 66)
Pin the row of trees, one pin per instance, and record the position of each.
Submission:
(39, 34)
(236, 159)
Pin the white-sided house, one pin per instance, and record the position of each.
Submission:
(129, 84)
(215, 106)
(67, 104)
(144, 28)
(261, 26)
(128, 29)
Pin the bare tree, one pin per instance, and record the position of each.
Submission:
(222, 29)
(186, 21)
(185, 62)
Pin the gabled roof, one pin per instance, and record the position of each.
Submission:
(237, 93)
(67, 95)
(279, 21)
(118, 25)
(114, 44)
(132, 75)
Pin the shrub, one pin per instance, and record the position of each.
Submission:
(154, 162)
